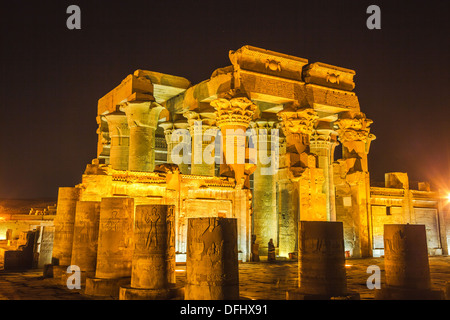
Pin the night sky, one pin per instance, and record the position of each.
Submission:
(52, 77)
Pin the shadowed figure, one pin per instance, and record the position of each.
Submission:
(271, 251)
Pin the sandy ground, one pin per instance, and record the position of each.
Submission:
(261, 280)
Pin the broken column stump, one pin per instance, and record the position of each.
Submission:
(321, 263)
(85, 238)
(406, 264)
(212, 259)
(64, 227)
(153, 265)
(115, 247)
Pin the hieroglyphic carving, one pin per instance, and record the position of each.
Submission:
(322, 246)
(154, 252)
(151, 218)
(212, 269)
(112, 222)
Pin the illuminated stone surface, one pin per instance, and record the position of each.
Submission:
(115, 247)
(64, 225)
(119, 132)
(46, 246)
(406, 264)
(203, 132)
(233, 115)
(85, 239)
(321, 264)
(142, 120)
(212, 271)
(153, 265)
(264, 187)
(316, 109)
(115, 241)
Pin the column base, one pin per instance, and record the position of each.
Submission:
(129, 293)
(298, 294)
(397, 293)
(105, 287)
(60, 275)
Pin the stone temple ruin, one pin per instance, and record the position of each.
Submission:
(157, 134)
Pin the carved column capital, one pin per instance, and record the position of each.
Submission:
(206, 119)
(297, 126)
(236, 111)
(298, 121)
(354, 127)
(143, 113)
(354, 133)
(117, 124)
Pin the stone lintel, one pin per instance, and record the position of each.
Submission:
(120, 94)
(165, 86)
(143, 85)
(268, 62)
(329, 76)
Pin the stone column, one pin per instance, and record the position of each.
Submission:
(354, 134)
(64, 225)
(181, 143)
(168, 130)
(233, 115)
(64, 229)
(119, 134)
(85, 238)
(265, 224)
(212, 271)
(322, 144)
(406, 264)
(203, 132)
(297, 126)
(321, 265)
(142, 120)
(153, 266)
(104, 141)
(115, 247)
(46, 247)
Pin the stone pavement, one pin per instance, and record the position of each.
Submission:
(260, 280)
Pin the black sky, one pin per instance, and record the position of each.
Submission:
(52, 77)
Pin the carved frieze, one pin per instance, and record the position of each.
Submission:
(329, 76)
(268, 62)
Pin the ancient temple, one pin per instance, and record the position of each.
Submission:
(256, 142)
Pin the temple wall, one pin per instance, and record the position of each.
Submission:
(397, 204)
(189, 194)
(316, 109)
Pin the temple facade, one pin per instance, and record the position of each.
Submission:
(256, 142)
